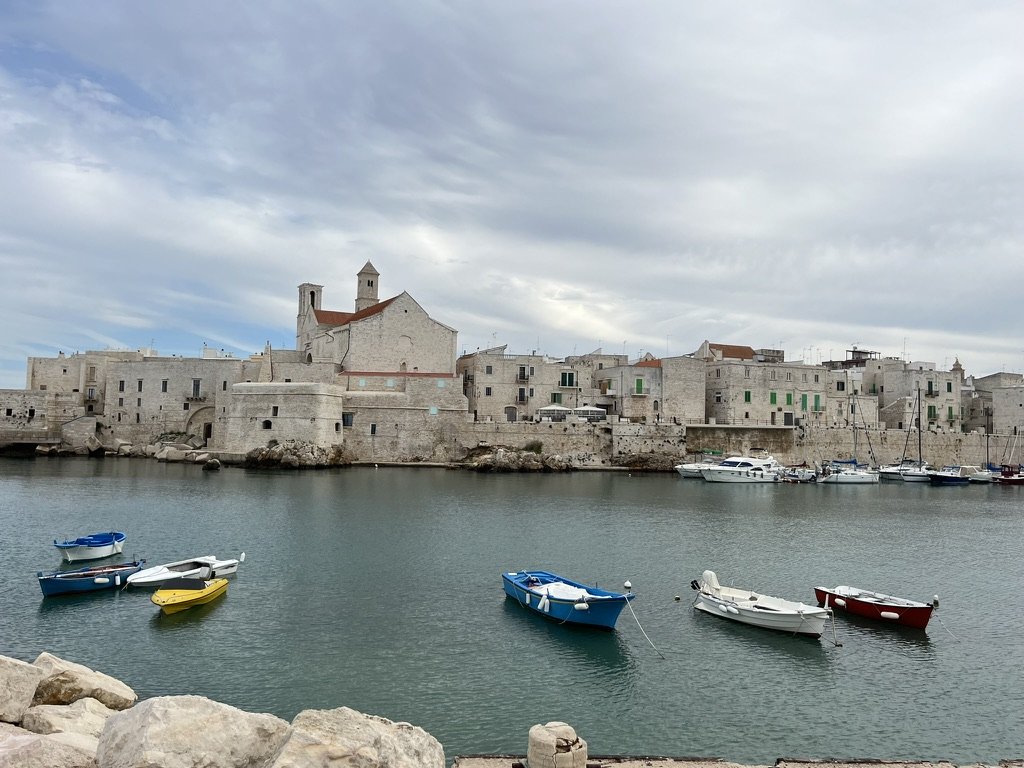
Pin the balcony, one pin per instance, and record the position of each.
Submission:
(194, 397)
(523, 377)
(640, 393)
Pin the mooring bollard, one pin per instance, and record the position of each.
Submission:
(556, 745)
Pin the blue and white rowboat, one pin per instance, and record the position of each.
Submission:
(91, 547)
(88, 579)
(565, 600)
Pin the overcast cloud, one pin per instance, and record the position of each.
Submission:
(555, 176)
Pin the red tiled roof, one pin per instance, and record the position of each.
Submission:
(334, 319)
(734, 351)
(648, 364)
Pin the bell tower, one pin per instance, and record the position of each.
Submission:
(366, 288)
(309, 300)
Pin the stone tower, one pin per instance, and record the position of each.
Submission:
(366, 290)
(310, 295)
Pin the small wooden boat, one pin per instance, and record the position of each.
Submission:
(181, 594)
(565, 600)
(203, 567)
(91, 547)
(758, 610)
(875, 605)
(87, 579)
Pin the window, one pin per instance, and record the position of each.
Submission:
(789, 375)
(718, 373)
(931, 412)
(817, 402)
(267, 424)
(373, 429)
(718, 397)
(120, 402)
(137, 418)
(556, 398)
(746, 396)
(196, 384)
(488, 369)
(803, 377)
(140, 385)
(223, 386)
(771, 374)
(184, 406)
(337, 426)
(840, 386)
(273, 410)
(163, 385)
(949, 386)
(949, 412)
(746, 372)
(347, 419)
(120, 386)
(531, 391)
(638, 386)
(772, 398)
(138, 402)
(9, 412)
(568, 379)
(931, 389)
(522, 394)
(487, 391)
(815, 378)
(803, 402)
(92, 372)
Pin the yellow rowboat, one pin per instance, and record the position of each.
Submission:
(180, 594)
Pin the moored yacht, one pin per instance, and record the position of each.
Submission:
(744, 469)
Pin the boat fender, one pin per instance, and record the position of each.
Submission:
(581, 607)
(117, 580)
(733, 609)
(723, 609)
(527, 598)
(101, 580)
(935, 602)
(840, 602)
(694, 585)
(889, 615)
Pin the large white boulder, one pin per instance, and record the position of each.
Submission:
(18, 681)
(556, 745)
(345, 738)
(65, 682)
(85, 716)
(30, 750)
(189, 732)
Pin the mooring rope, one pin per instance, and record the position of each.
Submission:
(642, 629)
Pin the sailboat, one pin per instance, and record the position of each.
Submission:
(848, 473)
(918, 473)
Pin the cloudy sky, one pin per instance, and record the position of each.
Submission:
(554, 175)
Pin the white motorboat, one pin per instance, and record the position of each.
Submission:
(692, 469)
(918, 474)
(748, 607)
(203, 567)
(846, 475)
(744, 469)
(895, 470)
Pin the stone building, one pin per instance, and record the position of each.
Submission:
(904, 388)
(758, 388)
(506, 387)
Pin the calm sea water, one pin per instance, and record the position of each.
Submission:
(380, 589)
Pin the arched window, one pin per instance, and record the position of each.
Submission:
(267, 424)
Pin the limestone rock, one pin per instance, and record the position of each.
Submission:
(65, 682)
(30, 750)
(296, 454)
(345, 738)
(556, 745)
(212, 465)
(189, 732)
(18, 681)
(85, 716)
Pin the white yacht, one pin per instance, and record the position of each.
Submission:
(744, 469)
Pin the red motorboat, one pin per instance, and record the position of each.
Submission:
(1009, 474)
(875, 605)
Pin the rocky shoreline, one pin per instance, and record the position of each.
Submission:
(58, 714)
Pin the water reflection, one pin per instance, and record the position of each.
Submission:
(168, 621)
(851, 627)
